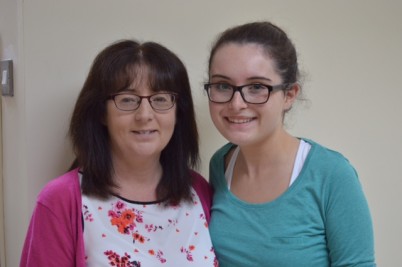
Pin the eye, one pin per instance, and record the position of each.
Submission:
(161, 98)
(256, 88)
(222, 87)
(127, 99)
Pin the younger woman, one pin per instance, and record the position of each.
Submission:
(279, 200)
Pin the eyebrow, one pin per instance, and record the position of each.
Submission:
(248, 79)
(220, 76)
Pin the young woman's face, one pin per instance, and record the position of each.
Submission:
(240, 122)
(143, 132)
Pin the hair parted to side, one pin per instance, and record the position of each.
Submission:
(114, 69)
(269, 36)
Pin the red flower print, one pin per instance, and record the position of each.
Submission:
(152, 228)
(124, 222)
(112, 214)
(216, 263)
(138, 216)
(128, 215)
(172, 222)
(189, 256)
(160, 257)
(138, 237)
(87, 214)
(120, 205)
(121, 261)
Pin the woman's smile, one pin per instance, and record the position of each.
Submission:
(145, 132)
(238, 120)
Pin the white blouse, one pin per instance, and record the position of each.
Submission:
(119, 232)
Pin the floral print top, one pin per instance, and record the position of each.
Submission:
(119, 232)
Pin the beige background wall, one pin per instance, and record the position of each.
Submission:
(350, 52)
(2, 244)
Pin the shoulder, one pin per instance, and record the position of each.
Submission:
(200, 184)
(327, 156)
(60, 189)
(330, 165)
(218, 158)
(217, 165)
(221, 152)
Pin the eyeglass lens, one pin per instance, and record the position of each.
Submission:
(128, 102)
(251, 93)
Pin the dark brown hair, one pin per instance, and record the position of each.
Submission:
(113, 70)
(274, 41)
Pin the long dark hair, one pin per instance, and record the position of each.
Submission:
(113, 70)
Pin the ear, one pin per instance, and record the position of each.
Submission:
(291, 95)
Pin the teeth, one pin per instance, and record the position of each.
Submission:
(144, 132)
(239, 120)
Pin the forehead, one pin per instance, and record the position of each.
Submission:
(243, 62)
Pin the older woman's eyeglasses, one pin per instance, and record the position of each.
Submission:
(255, 93)
(129, 102)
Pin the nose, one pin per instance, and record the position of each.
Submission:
(144, 111)
(237, 101)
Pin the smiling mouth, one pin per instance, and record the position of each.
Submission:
(239, 121)
(145, 132)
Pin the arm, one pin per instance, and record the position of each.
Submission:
(349, 227)
(54, 236)
(48, 241)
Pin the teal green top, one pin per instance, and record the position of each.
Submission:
(321, 220)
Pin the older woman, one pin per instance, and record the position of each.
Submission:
(131, 198)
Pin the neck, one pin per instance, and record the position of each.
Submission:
(273, 152)
(137, 180)
(262, 173)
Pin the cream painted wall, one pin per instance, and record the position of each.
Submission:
(349, 50)
(2, 243)
(15, 192)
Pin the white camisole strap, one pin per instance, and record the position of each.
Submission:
(301, 156)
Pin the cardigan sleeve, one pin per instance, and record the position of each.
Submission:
(48, 242)
(54, 236)
(204, 191)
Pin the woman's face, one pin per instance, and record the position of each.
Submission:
(143, 132)
(240, 122)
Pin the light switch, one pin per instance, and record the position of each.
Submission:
(6, 73)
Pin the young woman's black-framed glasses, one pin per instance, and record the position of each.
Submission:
(129, 101)
(255, 93)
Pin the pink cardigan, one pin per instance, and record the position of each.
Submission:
(55, 235)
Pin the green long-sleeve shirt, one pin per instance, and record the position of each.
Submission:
(321, 220)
